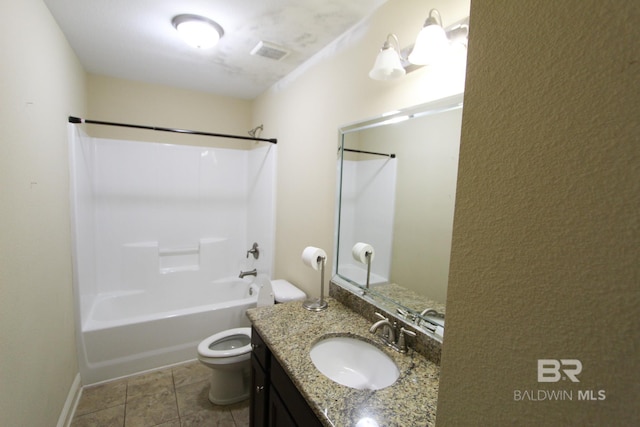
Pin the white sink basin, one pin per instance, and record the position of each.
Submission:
(354, 363)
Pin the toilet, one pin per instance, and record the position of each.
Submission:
(227, 353)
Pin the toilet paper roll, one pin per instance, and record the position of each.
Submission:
(360, 250)
(310, 256)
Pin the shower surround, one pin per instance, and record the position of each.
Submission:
(160, 233)
(367, 209)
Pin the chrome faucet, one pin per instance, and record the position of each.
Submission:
(253, 273)
(428, 323)
(389, 333)
(432, 312)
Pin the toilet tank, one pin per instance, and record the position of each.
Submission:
(285, 291)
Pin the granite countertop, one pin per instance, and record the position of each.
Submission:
(290, 331)
(408, 298)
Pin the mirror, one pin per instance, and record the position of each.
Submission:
(396, 191)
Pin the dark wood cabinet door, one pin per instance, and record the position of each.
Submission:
(259, 395)
(278, 414)
(260, 350)
(296, 404)
(275, 400)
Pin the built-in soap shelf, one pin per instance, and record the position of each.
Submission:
(176, 259)
(157, 263)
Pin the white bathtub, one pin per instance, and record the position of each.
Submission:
(136, 331)
(358, 274)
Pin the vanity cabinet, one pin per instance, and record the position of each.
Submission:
(275, 400)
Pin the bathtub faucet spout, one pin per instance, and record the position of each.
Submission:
(253, 273)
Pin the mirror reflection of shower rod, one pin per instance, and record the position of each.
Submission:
(391, 156)
(185, 131)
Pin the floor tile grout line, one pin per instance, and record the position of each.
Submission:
(175, 396)
(174, 388)
(233, 418)
(126, 398)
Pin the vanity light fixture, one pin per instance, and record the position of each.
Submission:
(432, 41)
(388, 64)
(433, 44)
(198, 31)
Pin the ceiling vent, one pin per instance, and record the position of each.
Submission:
(269, 50)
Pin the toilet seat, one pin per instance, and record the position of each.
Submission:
(227, 354)
(229, 343)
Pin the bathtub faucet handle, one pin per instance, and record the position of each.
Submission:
(254, 251)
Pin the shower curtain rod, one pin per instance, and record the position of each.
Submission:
(191, 132)
(391, 156)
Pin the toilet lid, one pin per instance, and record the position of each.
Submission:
(284, 291)
(232, 342)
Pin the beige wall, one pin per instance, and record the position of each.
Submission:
(306, 109)
(125, 101)
(41, 83)
(546, 233)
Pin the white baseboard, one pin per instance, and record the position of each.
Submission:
(70, 404)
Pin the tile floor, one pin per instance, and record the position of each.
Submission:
(172, 397)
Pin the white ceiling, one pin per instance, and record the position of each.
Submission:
(135, 40)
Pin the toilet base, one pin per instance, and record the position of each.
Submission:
(230, 386)
(216, 401)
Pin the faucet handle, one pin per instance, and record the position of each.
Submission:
(406, 314)
(380, 316)
(409, 332)
(402, 344)
(254, 251)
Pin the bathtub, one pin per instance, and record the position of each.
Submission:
(135, 331)
(358, 274)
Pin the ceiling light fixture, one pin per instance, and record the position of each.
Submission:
(431, 43)
(388, 65)
(198, 31)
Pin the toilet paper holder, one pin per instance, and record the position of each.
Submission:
(363, 252)
(318, 304)
(368, 257)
